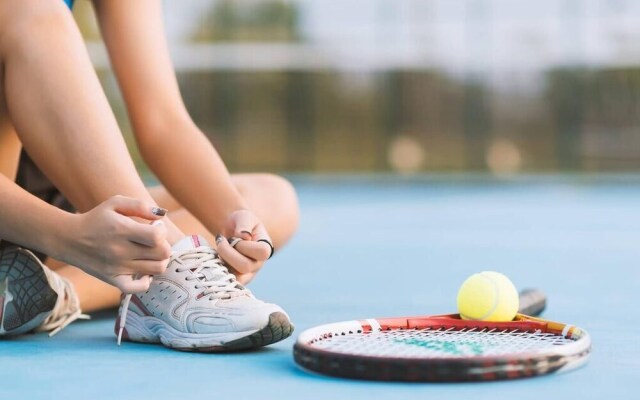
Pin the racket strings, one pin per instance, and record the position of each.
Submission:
(439, 343)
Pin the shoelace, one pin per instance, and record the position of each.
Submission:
(206, 267)
(211, 273)
(67, 308)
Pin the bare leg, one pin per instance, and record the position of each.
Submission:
(272, 198)
(58, 108)
(62, 117)
(9, 143)
(9, 155)
(93, 293)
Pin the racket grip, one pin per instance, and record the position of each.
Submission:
(532, 302)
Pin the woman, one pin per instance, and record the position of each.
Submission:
(52, 104)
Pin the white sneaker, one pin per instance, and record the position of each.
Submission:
(197, 305)
(32, 296)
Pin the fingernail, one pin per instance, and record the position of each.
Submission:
(160, 212)
(157, 223)
(247, 232)
(219, 238)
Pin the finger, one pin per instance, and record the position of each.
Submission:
(136, 252)
(259, 251)
(261, 233)
(128, 285)
(242, 278)
(245, 222)
(144, 234)
(136, 208)
(245, 278)
(233, 241)
(236, 260)
(146, 267)
(262, 236)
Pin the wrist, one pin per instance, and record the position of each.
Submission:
(218, 221)
(60, 234)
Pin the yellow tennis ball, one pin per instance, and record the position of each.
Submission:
(488, 296)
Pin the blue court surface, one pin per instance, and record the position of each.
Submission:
(389, 246)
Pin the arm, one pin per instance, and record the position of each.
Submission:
(134, 34)
(171, 144)
(29, 221)
(104, 242)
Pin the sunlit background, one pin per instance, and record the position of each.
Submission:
(406, 86)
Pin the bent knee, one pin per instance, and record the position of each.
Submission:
(285, 200)
(279, 185)
(275, 198)
(281, 189)
(21, 20)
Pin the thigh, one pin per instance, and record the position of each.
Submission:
(9, 143)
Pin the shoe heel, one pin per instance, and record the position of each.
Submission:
(26, 296)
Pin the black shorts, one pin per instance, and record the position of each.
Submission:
(35, 182)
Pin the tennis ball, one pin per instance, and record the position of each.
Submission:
(488, 296)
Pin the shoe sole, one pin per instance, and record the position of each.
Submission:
(26, 299)
(278, 328)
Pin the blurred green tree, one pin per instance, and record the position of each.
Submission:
(263, 21)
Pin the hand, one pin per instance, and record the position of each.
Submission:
(109, 244)
(249, 254)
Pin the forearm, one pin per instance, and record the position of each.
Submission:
(175, 149)
(29, 221)
(104, 242)
(191, 169)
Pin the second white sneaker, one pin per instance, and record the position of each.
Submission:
(197, 305)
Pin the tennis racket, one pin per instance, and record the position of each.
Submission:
(445, 348)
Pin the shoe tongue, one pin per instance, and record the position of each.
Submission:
(190, 243)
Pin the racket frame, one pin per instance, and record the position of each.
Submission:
(476, 368)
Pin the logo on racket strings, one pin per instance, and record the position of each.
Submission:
(447, 347)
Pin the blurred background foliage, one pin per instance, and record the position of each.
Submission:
(407, 85)
(229, 20)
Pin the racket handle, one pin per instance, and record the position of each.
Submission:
(532, 302)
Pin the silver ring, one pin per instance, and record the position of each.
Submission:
(233, 241)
